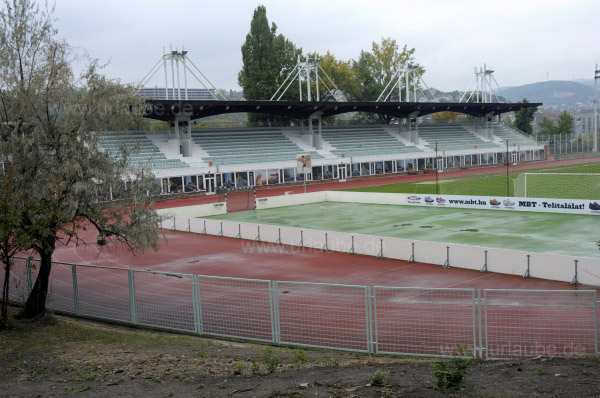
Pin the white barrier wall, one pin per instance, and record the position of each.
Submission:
(206, 210)
(291, 200)
(513, 262)
(569, 206)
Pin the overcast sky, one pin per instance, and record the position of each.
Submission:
(524, 41)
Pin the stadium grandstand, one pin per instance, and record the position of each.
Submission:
(186, 159)
(244, 157)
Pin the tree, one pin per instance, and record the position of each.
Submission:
(564, 124)
(524, 117)
(446, 117)
(60, 175)
(547, 126)
(375, 69)
(11, 242)
(341, 73)
(267, 58)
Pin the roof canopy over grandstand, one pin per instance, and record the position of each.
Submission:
(168, 109)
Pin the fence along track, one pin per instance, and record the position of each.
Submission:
(491, 323)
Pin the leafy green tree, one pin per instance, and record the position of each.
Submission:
(564, 125)
(547, 126)
(268, 59)
(375, 69)
(524, 118)
(341, 73)
(60, 176)
(446, 117)
(11, 240)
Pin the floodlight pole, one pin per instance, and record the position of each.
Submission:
(305, 174)
(437, 185)
(484, 87)
(507, 165)
(596, 77)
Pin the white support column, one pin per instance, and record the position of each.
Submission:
(407, 88)
(178, 82)
(317, 83)
(173, 76)
(185, 78)
(166, 76)
(184, 135)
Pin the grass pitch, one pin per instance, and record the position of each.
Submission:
(496, 184)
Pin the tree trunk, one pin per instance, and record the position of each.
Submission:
(36, 302)
(5, 287)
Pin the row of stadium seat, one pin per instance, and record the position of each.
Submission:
(511, 135)
(143, 152)
(362, 141)
(241, 146)
(454, 137)
(247, 146)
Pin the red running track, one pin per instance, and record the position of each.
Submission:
(409, 320)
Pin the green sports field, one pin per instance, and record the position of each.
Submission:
(498, 184)
(574, 235)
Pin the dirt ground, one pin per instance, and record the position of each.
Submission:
(59, 356)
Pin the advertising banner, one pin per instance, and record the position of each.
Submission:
(570, 206)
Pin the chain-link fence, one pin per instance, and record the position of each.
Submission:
(566, 143)
(491, 324)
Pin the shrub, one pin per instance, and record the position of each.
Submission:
(451, 374)
(379, 377)
(270, 360)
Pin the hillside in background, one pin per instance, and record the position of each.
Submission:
(557, 94)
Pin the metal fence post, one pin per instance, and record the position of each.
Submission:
(527, 274)
(375, 330)
(257, 239)
(474, 305)
(485, 321)
(447, 262)
(596, 322)
(29, 276)
(380, 254)
(197, 304)
(132, 297)
(575, 280)
(75, 288)
(274, 304)
(479, 323)
(369, 319)
(485, 265)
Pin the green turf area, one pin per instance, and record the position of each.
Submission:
(491, 184)
(537, 232)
